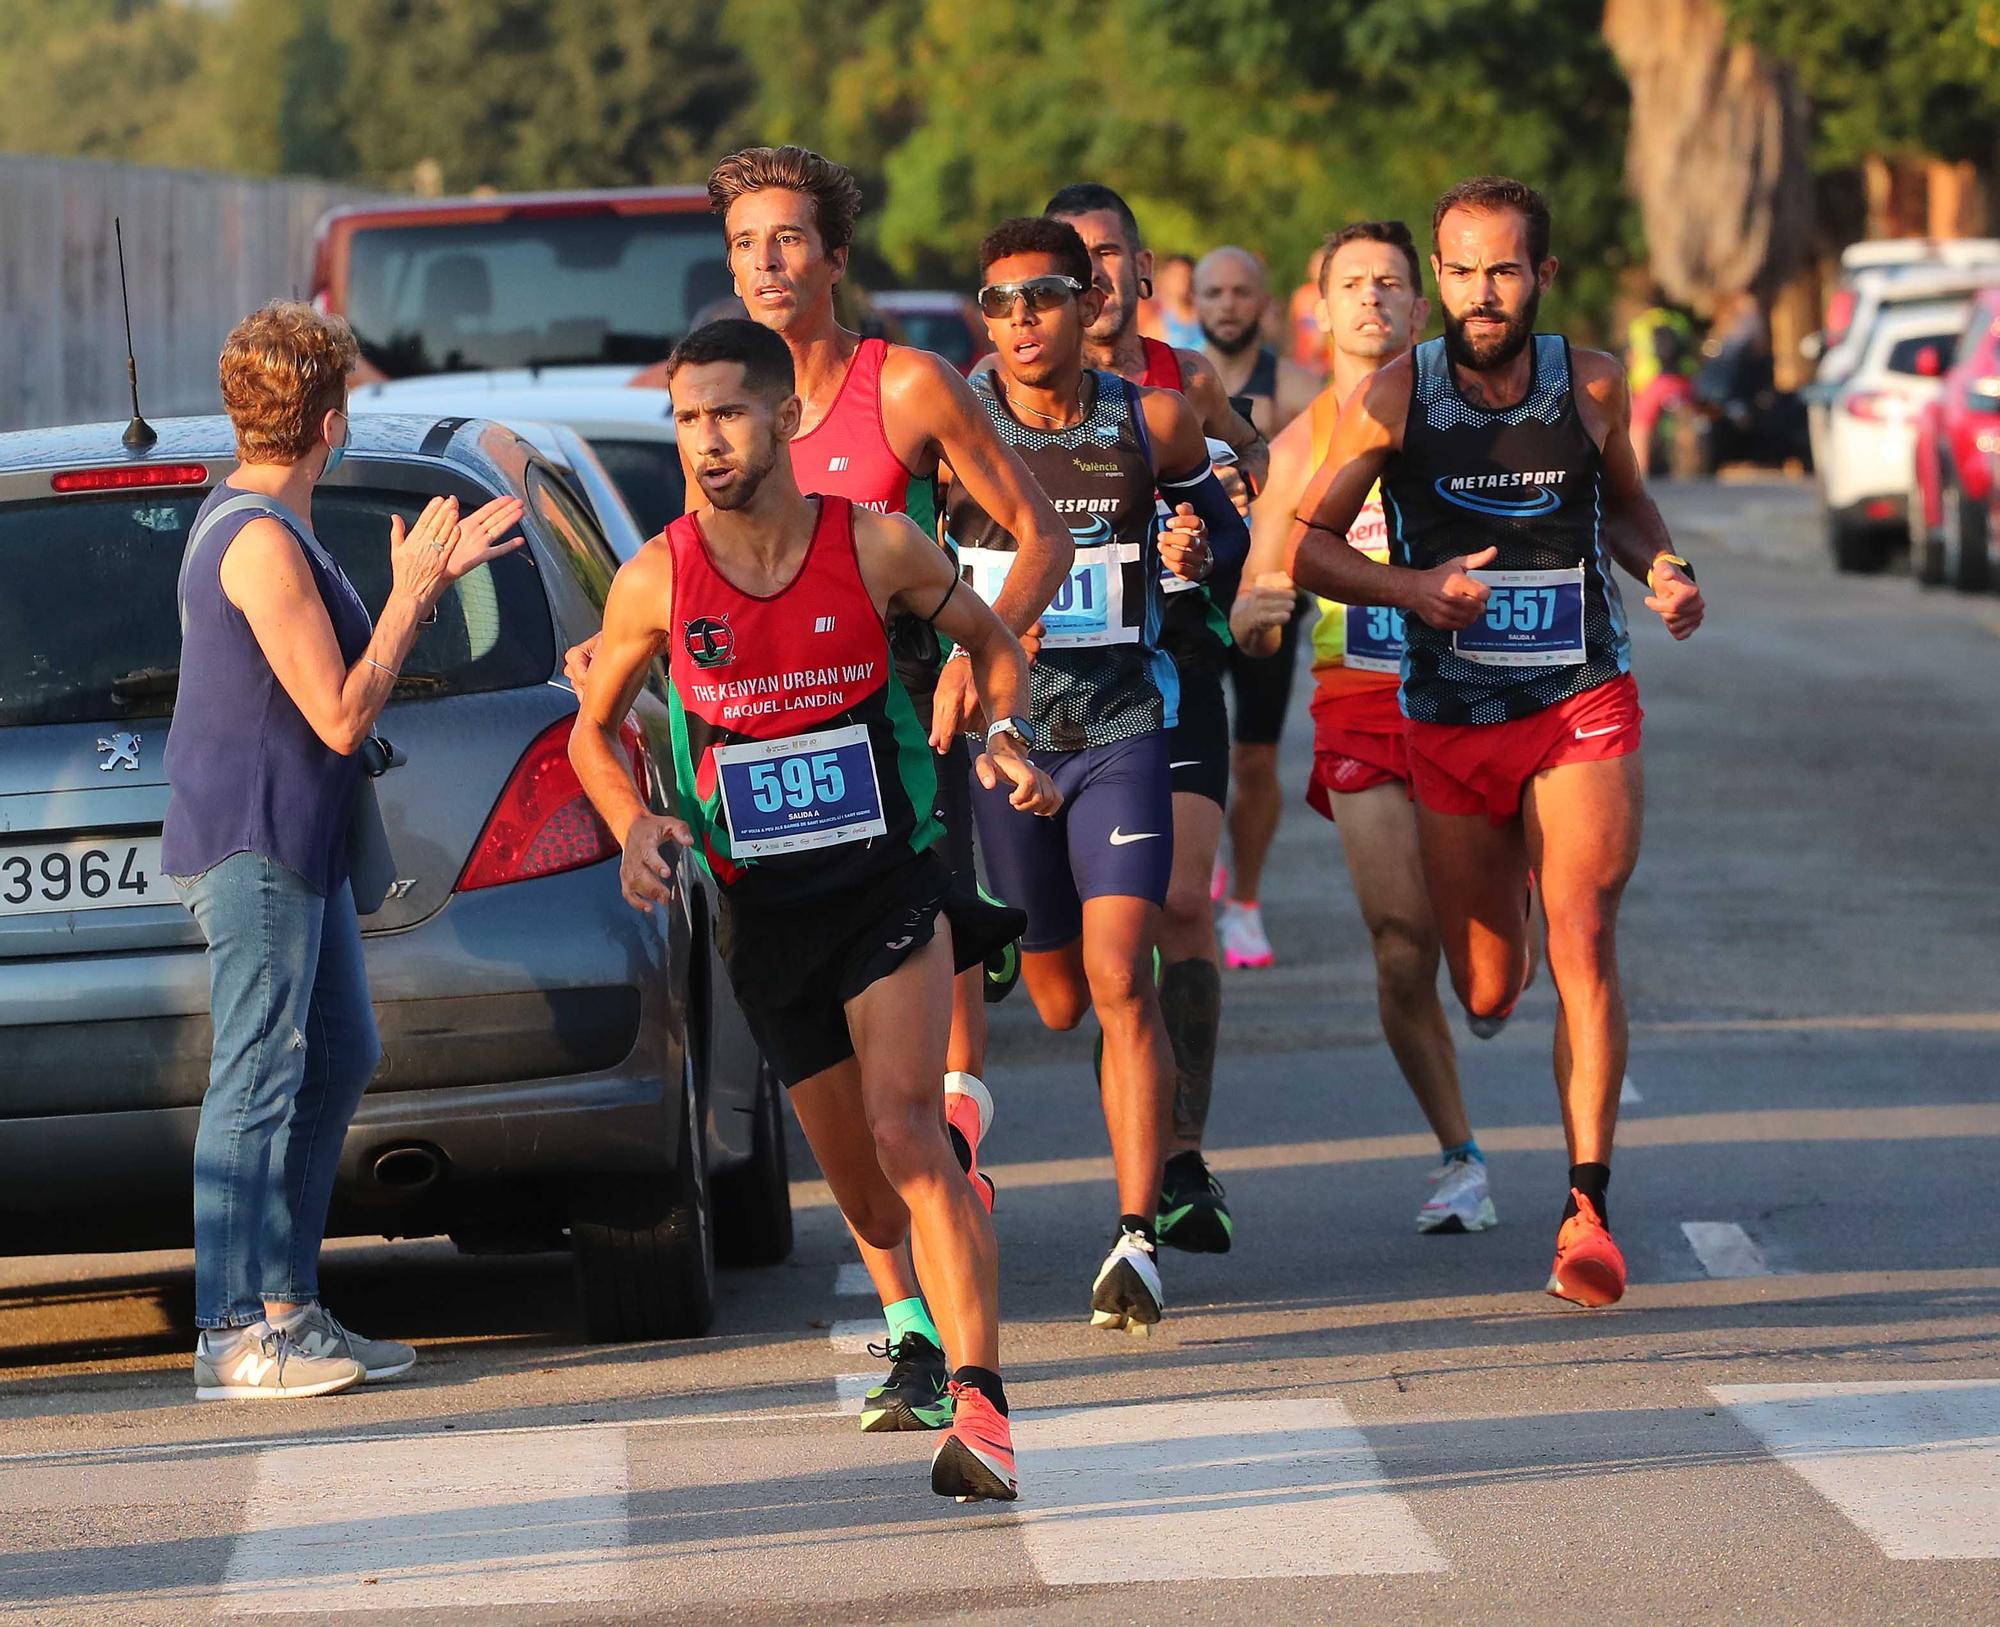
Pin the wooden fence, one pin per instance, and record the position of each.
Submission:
(200, 250)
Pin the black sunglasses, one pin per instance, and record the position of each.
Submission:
(996, 299)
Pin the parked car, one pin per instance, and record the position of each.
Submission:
(1869, 267)
(549, 1075)
(1865, 454)
(939, 320)
(629, 429)
(573, 287)
(1957, 435)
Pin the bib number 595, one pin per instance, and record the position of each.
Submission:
(797, 782)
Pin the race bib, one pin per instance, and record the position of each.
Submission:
(1533, 619)
(802, 792)
(1374, 641)
(1089, 607)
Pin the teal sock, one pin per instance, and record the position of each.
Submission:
(909, 1316)
(1468, 1148)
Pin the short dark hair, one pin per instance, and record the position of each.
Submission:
(1491, 194)
(1038, 234)
(1392, 232)
(766, 361)
(1087, 198)
(836, 196)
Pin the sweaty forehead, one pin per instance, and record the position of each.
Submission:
(769, 207)
(1100, 228)
(1483, 237)
(1228, 268)
(1365, 257)
(704, 386)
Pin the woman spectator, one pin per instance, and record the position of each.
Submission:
(282, 677)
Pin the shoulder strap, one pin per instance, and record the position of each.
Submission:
(1130, 391)
(1263, 378)
(246, 503)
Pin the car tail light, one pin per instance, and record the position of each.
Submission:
(543, 824)
(1879, 508)
(1877, 406)
(125, 476)
(1839, 313)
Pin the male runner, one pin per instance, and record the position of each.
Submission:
(1193, 1213)
(1232, 297)
(1510, 488)
(1092, 880)
(1371, 308)
(808, 789)
(877, 418)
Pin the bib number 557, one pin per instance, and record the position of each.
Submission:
(797, 782)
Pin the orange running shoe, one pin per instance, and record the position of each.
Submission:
(975, 1460)
(968, 1109)
(1589, 1270)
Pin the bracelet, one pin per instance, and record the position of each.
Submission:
(1314, 525)
(1671, 559)
(377, 665)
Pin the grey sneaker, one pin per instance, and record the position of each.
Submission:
(319, 1333)
(263, 1363)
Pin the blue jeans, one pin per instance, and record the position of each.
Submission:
(295, 1046)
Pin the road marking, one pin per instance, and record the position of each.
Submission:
(1628, 1093)
(1178, 1491)
(1725, 1249)
(398, 1525)
(852, 1389)
(1915, 1465)
(853, 1335)
(852, 1279)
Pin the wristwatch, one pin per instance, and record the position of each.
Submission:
(1687, 570)
(1019, 729)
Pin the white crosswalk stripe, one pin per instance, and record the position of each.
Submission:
(851, 1281)
(852, 1336)
(1724, 1249)
(1914, 1465)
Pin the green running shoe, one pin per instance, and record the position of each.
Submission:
(915, 1395)
(1193, 1214)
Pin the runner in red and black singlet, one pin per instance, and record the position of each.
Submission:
(1510, 486)
(805, 785)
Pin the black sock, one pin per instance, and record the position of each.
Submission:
(1591, 1180)
(1142, 1224)
(959, 1147)
(987, 1383)
(1191, 1007)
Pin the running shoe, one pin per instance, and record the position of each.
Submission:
(914, 1395)
(1218, 881)
(1589, 1270)
(976, 1460)
(263, 1363)
(1459, 1200)
(1127, 1293)
(968, 1114)
(319, 1333)
(1242, 932)
(1193, 1214)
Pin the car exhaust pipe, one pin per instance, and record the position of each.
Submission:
(408, 1169)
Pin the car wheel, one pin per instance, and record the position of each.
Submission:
(1964, 540)
(753, 1205)
(645, 1244)
(1857, 547)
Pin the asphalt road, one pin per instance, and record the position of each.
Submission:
(1794, 1415)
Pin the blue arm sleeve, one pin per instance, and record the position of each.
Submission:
(1228, 536)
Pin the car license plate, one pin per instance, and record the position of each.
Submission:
(84, 873)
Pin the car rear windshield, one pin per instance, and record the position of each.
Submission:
(542, 291)
(1904, 353)
(90, 631)
(939, 331)
(648, 476)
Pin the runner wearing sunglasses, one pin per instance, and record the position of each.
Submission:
(1092, 879)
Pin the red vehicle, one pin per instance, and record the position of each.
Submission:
(580, 287)
(1958, 435)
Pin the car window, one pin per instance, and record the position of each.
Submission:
(90, 629)
(1903, 354)
(568, 522)
(540, 292)
(941, 332)
(649, 477)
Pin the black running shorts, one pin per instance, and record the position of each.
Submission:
(1263, 685)
(1198, 745)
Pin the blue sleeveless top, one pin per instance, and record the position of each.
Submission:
(245, 771)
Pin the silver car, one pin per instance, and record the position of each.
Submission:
(559, 1070)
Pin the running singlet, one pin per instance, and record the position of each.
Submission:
(1355, 647)
(847, 454)
(1524, 481)
(1193, 631)
(800, 762)
(1100, 676)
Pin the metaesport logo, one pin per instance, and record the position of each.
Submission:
(1487, 494)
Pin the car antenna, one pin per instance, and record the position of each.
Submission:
(138, 433)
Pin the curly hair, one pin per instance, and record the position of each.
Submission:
(283, 368)
(1038, 234)
(1494, 194)
(835, 195)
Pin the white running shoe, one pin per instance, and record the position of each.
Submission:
(319, 1333)
(1127, 1293)
(1459, 1201)
(1242, 932)
(263, 1363)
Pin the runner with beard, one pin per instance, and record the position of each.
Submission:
(1194, 1214)
(1510, 487)
(1371, 309)
(1232, 299)
(806, 786)
(877, 418)
(1092, 880)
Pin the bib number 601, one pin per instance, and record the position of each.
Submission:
(797, 782)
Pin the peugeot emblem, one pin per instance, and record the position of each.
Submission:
(121, 750)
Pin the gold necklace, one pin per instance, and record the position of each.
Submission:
(1046, 417)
